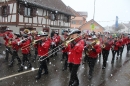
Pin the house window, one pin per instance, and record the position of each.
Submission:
(80, 22)
(5, 10)
(73, 22)
(27, 11)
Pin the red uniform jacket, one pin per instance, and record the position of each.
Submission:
(116, 45)
(43, 48)
(26, 45)
(56, 39)
(108, 46)
(94, 54)
(7, 37)
(75, 53)
(14, 44)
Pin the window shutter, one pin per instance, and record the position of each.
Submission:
(51, 17)
(34, 12)
(68, 18)
(8, 10)
(0, 11)
(22, 8)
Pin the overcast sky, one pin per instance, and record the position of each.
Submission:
(105, 12)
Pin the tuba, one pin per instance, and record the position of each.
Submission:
(26, 31)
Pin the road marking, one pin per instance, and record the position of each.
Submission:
(10, 76)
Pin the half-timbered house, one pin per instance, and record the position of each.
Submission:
(34, 15)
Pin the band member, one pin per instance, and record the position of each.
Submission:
(128, 43)
(87, 41)
(75, 49)
(8, 38)
(55, 43)
(24, 45)
(106, 46)
(93, 50)
(15, 48)
(35, 36)
(120, 48)
(64, 50)
(114, 49)
(43, 48)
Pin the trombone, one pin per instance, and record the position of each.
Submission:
(65, 43)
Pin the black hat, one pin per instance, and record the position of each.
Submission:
(17, 34)
(73, 31)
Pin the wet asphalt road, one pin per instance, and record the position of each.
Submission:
(113, 75)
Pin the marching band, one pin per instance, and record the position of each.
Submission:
(73, 44)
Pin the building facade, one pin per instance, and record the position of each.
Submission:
(79, 19)
(34, 15)
(92, 26)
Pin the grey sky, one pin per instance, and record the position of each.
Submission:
(106, 10)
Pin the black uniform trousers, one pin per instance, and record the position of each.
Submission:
(105, 54)
(25, 59)
(120, 51)
(91, 64)
(8, 51)
(74, 81)
(113, 55)
(35, 55)
(54, 49)
(43, 65)
(128, 47)
(65, 56)
(15, 55)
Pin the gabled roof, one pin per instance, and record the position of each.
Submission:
(90, 21)
(83, 13)
(74, 12)
(54, 5)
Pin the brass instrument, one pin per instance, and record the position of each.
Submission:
(9, 43)
(26, 31)
(34, 41)
(68, 40)
(90, 46)
(33, 32)
(64, 44)
(103, 46)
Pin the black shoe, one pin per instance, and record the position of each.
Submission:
(34, 60)
(89, 77)
(29, 66)
(103, 67)
(10, 65)
(38, 77)
(76, 83)
(112, 62)
(19, 63)
(44, 73)
(20, 69)
(64, 69)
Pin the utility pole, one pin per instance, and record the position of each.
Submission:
(94, 9)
